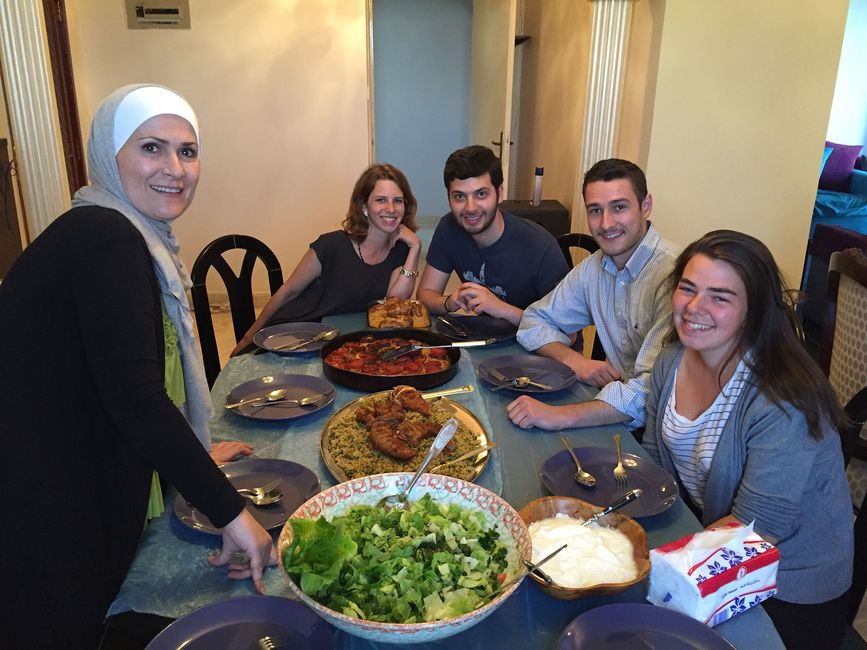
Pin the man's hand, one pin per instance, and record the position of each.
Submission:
(526, 412)
(597, 373)
(474, 297)
(589, 371)
(244, 534)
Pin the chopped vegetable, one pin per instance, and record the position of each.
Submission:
(431, 562)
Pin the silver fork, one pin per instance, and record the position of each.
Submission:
(265, 489)
(518, 382)
(619, 471)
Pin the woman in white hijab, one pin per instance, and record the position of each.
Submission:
(96, 350)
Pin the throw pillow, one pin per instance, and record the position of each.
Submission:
(838, 168)
(825, 156)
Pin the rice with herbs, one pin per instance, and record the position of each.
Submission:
(350, 448)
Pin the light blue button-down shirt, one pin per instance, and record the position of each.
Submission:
(630, 309)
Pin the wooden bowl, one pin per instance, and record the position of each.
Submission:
(548, 507)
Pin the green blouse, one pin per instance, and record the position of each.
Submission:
(175, 388)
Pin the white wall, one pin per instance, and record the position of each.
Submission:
(740, 112)
(280, 89)
(848, 124)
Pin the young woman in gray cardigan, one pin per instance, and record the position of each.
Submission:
(747, 422)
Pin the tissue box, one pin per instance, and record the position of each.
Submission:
(714, 574)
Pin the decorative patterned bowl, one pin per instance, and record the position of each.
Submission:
(336, 500)
(547, 507)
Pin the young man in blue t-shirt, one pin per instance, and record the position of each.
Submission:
(504, 262)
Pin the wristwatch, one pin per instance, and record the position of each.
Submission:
(406, 272)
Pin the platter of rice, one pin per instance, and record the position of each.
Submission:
(349, 452)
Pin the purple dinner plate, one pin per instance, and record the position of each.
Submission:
(272, 336)
(238, 624)
(298, 484)
(466, 328)
(298, 387)
(659, 488)
(542, 369)
(632, 626)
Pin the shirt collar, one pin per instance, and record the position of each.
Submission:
(640, 257)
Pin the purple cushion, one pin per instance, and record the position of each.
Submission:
(838, 169)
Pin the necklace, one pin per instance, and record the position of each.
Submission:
(361, 255)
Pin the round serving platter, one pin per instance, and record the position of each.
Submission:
(461, 413)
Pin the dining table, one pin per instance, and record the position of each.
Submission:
(170, 576)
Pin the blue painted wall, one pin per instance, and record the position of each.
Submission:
(421, 66)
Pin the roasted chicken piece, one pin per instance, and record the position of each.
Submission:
(384, 438)
(414, 432)
(410, 399)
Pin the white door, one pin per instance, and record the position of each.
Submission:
(492, 76)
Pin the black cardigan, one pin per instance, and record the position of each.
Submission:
(85, 415)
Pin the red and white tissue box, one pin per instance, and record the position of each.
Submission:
(715, 574)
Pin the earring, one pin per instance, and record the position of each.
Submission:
(364, 212)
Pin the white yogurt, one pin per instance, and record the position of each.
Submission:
(594, 555)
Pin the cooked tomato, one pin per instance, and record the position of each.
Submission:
(363, 357)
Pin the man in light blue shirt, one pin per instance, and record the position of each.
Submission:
(619, 289)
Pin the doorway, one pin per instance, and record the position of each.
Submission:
(442, 79)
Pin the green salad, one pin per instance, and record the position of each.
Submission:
(431, 562)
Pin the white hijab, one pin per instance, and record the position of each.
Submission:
(121, 113)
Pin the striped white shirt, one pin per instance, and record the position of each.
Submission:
(629, 308)
(693, 443)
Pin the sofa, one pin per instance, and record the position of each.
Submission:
(842, 196)
(839, 221)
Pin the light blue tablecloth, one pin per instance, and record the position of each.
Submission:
(170, 576)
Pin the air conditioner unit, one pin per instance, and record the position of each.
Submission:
(149, 14)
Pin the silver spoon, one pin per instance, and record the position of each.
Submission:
(519, 577)
(272, 396)
(322, 336)
(443, 437)
(262, 499)
(309, 400)
(580, 476)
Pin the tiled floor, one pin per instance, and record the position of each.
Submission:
(226, 341)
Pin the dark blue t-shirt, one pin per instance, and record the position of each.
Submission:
(523, 265)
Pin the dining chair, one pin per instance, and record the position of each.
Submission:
(239, 288)
(586, 244)
(843, 354)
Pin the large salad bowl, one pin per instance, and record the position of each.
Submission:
(368, 490)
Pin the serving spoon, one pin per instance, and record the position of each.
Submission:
(520, 576)
(443, 437)
(393, 353)
(580, 476)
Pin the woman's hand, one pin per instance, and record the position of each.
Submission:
(223, 452)
(405, 235)
(246, 341)
(244, 534)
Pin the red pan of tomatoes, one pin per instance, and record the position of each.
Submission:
(409, 369)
